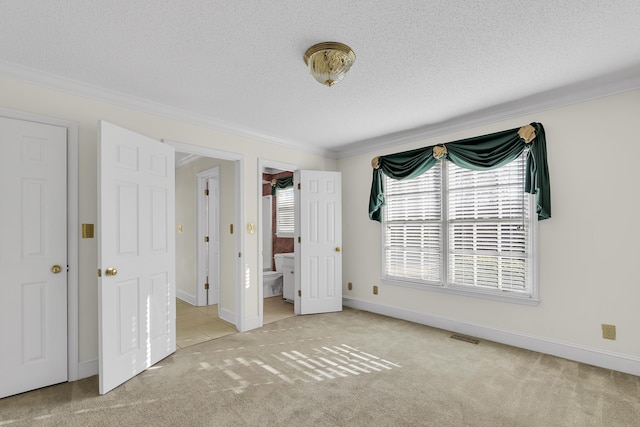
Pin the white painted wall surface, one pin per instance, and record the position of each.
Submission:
(32, 98)
(588, 251)
(186, 207)
(584, 279)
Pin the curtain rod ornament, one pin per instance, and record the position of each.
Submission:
(274, 182)
(439, 151)
(527, 133)
(375, 162)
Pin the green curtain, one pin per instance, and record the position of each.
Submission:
(479, 153)
(282, 183)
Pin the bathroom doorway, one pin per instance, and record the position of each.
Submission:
(276, 210)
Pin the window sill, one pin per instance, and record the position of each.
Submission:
(476, 293)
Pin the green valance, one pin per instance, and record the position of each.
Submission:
(479, 153)
(285, 182)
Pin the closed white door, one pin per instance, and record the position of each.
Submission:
(318, 251)
(136, 208)
(33, 256)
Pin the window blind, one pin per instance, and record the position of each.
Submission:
(413, 222)
(457, 227)
(285, 212)
(487, 227)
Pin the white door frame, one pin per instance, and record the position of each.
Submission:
(262, 164)
(267, 231)
(203, 223)
(238, 231)
(72, 229)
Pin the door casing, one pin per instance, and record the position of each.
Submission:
(74, 371)
(239, 317)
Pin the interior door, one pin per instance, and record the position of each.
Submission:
(213, 221)
(318, 246)
(136, 216)
(33, 255)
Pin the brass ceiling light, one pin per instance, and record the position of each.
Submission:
(328, 62)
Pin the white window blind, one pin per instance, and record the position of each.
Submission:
(284, 212)
(461, 229)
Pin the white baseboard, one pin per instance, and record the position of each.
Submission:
(578, 353)
(252, 323)
(88, 368)
(226, 315)
(191, 299)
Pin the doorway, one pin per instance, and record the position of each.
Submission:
(275, 240)
(204, 314)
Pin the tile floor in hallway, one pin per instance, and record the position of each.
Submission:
(199, 324)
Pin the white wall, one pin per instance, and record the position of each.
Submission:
(588, 251)
(36, 99)
(186, 207)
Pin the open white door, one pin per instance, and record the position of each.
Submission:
(318, 246)
(136, 244)
(33, 255)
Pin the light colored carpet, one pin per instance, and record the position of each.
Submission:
(343, 369)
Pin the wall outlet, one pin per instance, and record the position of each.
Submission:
(375, 290)
(350, 286)
(609, 331)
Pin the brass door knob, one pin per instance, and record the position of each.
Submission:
(338, 249)
(111, 271)
(56, 269)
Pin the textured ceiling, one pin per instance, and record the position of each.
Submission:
(237, 65)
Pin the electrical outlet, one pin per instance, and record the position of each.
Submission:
(609, 331)
(375, 290)
(350, 286)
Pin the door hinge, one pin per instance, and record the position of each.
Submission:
(206, 286)
(206, 239)
(299, 186)
(299, 239)
(99, 273)
(299, 293)
(239, 254)
(206, 191)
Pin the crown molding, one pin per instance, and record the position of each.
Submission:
(94, 92)
(605, 85)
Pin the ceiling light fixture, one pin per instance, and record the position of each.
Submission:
(328, 62)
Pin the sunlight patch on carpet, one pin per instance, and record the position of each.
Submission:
(326, 363)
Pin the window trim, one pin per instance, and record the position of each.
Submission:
(530, 299)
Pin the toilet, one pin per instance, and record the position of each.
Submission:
(272, 283)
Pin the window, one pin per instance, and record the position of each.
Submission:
(284, 212)
(462, 231)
